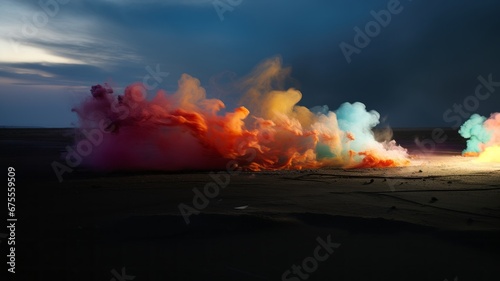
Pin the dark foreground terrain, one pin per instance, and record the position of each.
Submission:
(437, 219)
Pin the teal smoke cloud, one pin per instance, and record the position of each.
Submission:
(476, 133)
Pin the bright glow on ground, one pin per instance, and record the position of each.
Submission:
(490, 154)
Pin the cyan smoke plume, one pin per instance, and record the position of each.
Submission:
(476, 133)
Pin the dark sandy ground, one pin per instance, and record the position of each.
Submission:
(434, 220)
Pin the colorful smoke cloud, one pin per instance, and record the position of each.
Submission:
(483, 137)
(186, 130)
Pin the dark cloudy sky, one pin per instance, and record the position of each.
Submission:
(423, 62)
